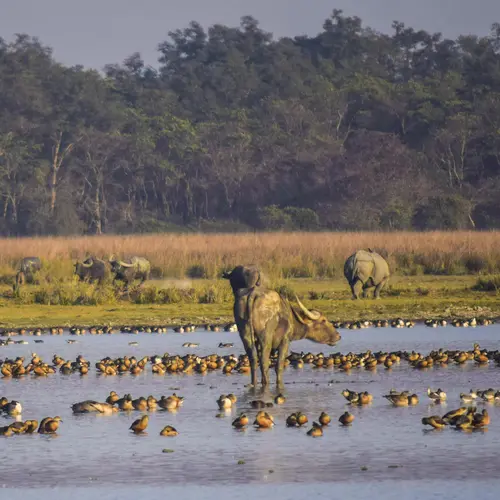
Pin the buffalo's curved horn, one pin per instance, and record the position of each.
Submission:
(124, 264)
(111, 258)
(90, 263)
(312, 315)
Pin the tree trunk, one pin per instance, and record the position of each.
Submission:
(58, 157)
(97, 212)
(53, 178)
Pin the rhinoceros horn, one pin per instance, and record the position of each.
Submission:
(124, 264)
(312, 315)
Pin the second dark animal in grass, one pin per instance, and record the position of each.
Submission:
(91, 269)
(128, 271)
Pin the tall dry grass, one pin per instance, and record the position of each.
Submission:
(281, 255)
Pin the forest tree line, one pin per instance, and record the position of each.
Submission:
(349, 129)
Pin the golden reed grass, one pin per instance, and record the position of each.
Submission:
(282, 255)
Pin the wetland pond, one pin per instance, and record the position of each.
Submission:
(386, 452)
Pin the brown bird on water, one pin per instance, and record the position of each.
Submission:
(49, 425)
(315, 431)
(301, 419)
(139, 425)
(264, 420)
(346, 418)
(481, 419)
(324, 418)
(291, 420)
(112, 398)
(240, 422)
(31, 426)
(169, 431)
(434, 421)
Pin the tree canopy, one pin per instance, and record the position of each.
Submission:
(347, 130)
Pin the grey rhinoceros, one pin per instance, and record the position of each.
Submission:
(366, 269)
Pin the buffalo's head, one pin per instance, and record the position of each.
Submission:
(319, 329)
(80, 266)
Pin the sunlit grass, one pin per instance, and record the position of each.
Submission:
(280, 255)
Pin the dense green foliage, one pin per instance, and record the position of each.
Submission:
(350, 129)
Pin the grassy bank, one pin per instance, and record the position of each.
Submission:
(442, 274)
(415, 297)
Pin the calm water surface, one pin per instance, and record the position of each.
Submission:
(99, 455)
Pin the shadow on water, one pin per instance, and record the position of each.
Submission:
(385, 445)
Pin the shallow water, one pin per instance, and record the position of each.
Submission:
(94, 451)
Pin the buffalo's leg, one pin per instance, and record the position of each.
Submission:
(378, 288)
(251, 352)
(280, 363)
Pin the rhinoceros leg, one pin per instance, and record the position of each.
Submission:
(254, 360)
(264, 360)
(356, 288)
(378, 288)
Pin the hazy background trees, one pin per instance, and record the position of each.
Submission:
(350, 129)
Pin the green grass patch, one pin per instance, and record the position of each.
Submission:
(201, 301)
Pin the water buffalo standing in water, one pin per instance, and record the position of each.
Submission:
(91, 270)
(267, 321)
(27, 269)
(364, 270)
(137, 268)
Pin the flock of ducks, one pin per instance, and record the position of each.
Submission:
(264, 420)
(408, 323)
(108, 330)
(228, 364)
(48, 425)
(231, 327)
(465, 418)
